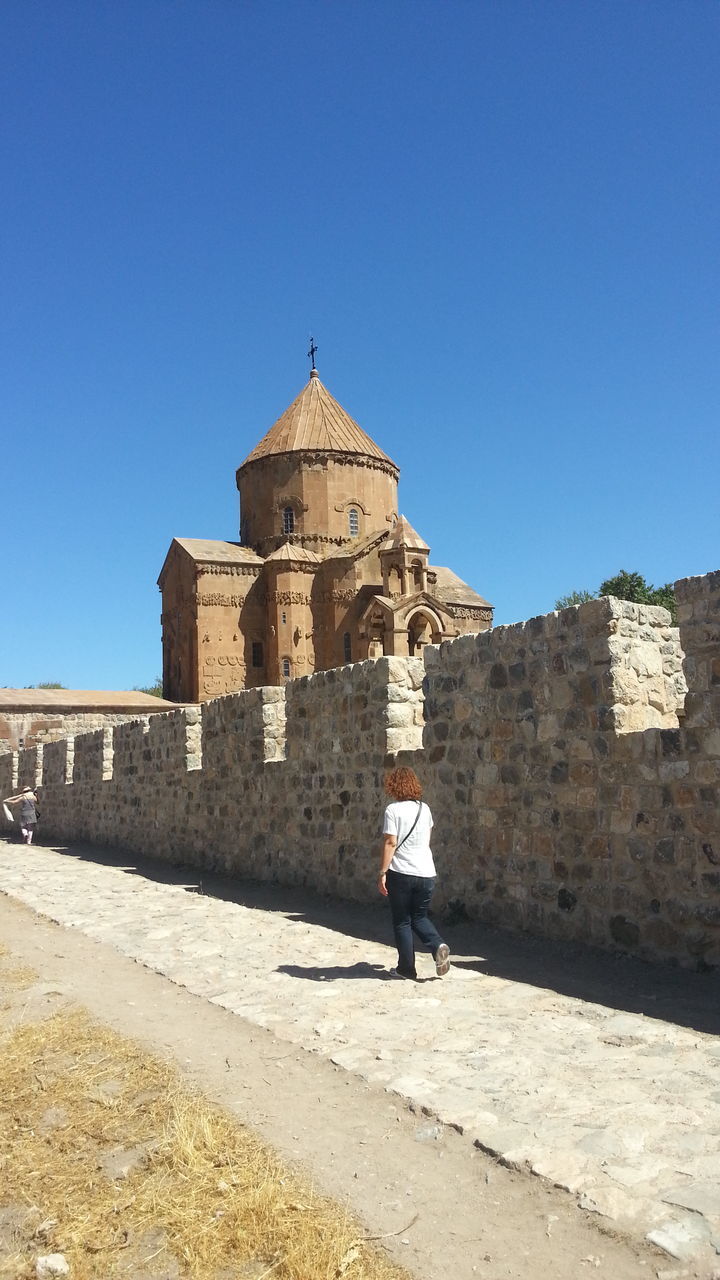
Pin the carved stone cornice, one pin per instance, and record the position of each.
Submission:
(468, 611)
(287, 597)
(265, 546)
(275, 567)
(335, 597)
(229, 570)
(324, 539)
(218, 598)
(322, 457)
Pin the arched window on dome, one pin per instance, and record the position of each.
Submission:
(353, 522)
(288, 520)
(286, 668)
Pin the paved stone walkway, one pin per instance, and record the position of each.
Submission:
(621, 1109)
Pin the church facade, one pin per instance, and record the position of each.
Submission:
(326, 571)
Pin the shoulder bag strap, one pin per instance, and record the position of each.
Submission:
(409, 833)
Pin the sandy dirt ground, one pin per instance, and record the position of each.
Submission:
(470, 1216)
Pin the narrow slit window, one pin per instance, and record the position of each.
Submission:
(286, 670)
(353, 522)
(288, 520)
(347, 647)
(257, 654)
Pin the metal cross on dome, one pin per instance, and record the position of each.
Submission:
(311, 352)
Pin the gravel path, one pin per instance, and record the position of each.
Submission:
(620, 1108)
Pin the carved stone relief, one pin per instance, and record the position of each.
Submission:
(334, 597)
(456, 611)
(229, 570)
(297, 504)
(352, 502)
(211, 598)
(288, 597)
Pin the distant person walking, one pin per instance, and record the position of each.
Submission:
(27, 814)
(407, 873)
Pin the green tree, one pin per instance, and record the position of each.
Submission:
(574, 597)
(666, 597)
(632, 586)
(155, 689)
(627, 586)
(46, 684)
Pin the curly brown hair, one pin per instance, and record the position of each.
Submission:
(403, 784)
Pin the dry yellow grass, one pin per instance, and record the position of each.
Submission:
(14, 975)
(19, 975)
(203, 1191)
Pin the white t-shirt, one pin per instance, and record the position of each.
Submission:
(415, 857)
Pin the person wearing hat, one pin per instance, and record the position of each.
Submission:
(27, 800)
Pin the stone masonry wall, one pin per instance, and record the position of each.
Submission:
(699, 619)
(573, 784)
(35, 728)
(555, 738)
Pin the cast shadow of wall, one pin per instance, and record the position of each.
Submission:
(572, 969)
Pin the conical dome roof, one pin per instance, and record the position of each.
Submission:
(316, 422)
(293, 553)
(404, 536)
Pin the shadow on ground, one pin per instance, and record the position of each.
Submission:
(331, 972)
(587, 973)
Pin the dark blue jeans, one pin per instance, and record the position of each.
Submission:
(409, 901)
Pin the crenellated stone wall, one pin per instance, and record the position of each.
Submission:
(552, 817)
(699, 619)
(30, 717)
(573, 775)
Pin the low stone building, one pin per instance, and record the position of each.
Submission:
(32, 717)
(326, 571)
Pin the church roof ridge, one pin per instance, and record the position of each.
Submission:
(217, 551)
(450, 589)
(294, 553)
(316, 422)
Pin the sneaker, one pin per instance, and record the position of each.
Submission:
(409, 977)
(442, 960)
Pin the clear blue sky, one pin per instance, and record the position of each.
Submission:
(499, 218)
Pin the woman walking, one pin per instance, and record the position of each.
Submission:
(407, 873)
(27, 800)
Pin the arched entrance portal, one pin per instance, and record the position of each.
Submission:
(376, 635)
(422, 629)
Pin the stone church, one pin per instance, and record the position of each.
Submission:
(326, 571)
